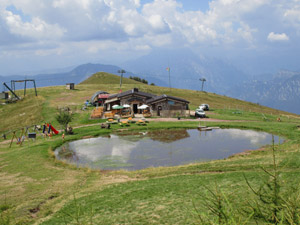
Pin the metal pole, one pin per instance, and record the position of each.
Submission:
(203, 80)
(25, 88)
(121, 80)
(169, 78)
(11, 91)
(34, 87)
(121, 72)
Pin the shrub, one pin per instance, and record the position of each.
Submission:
(64, 118)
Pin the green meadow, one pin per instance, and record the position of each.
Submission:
(255, 187)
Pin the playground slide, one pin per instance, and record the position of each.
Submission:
(54, 130)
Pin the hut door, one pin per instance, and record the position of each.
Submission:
(135, 108)
(158, 110)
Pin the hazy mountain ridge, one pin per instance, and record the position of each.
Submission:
(186, 70)
(282, 92)
(76, 75)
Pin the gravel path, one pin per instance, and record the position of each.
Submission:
(171, 120)
(156, 120)
(193, 120)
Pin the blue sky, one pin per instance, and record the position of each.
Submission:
(189, 5)
(256, 35)
(193, 5)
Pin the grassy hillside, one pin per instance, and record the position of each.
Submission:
(34, 110)
(107, 78)
(35, 188)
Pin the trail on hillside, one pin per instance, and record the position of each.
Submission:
(173, 120)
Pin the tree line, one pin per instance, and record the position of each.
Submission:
(140, 80)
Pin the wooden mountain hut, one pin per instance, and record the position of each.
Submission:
(168, 106)
(164, 105)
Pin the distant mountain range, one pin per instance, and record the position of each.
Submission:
(186, 68)
(76, 75)
(281, 91)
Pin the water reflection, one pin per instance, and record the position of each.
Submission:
(241, 136)
(253, 136)
(160, 148)
(168, 136)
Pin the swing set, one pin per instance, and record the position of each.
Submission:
(25, 133)
(12, 88)
(28, 132)
(19, 138)
(31, 133)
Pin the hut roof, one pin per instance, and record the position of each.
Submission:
(130, 92)
(166, 97)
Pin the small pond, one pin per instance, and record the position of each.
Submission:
(160, 148)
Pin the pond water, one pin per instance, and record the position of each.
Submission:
(160, 148)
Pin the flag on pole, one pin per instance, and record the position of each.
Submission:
(168, 68)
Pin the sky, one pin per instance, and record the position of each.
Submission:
(257, 35)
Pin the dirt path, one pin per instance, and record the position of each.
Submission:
(156, 120)
(170, 120)
(192, 120)
(5, 142)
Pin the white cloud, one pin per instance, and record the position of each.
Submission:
(98, 25)
(158, 23)
(277, 37)
(247, 33)
(36, 29)
(292, 16)
(120, 20)
(293, 12)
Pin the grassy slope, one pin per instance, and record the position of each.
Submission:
(106, 78)
(34, 185)
(33, 110)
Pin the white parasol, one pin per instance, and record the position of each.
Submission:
(143, 107)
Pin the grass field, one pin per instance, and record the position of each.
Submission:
(35, 188)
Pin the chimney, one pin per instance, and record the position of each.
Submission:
(135, 90)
